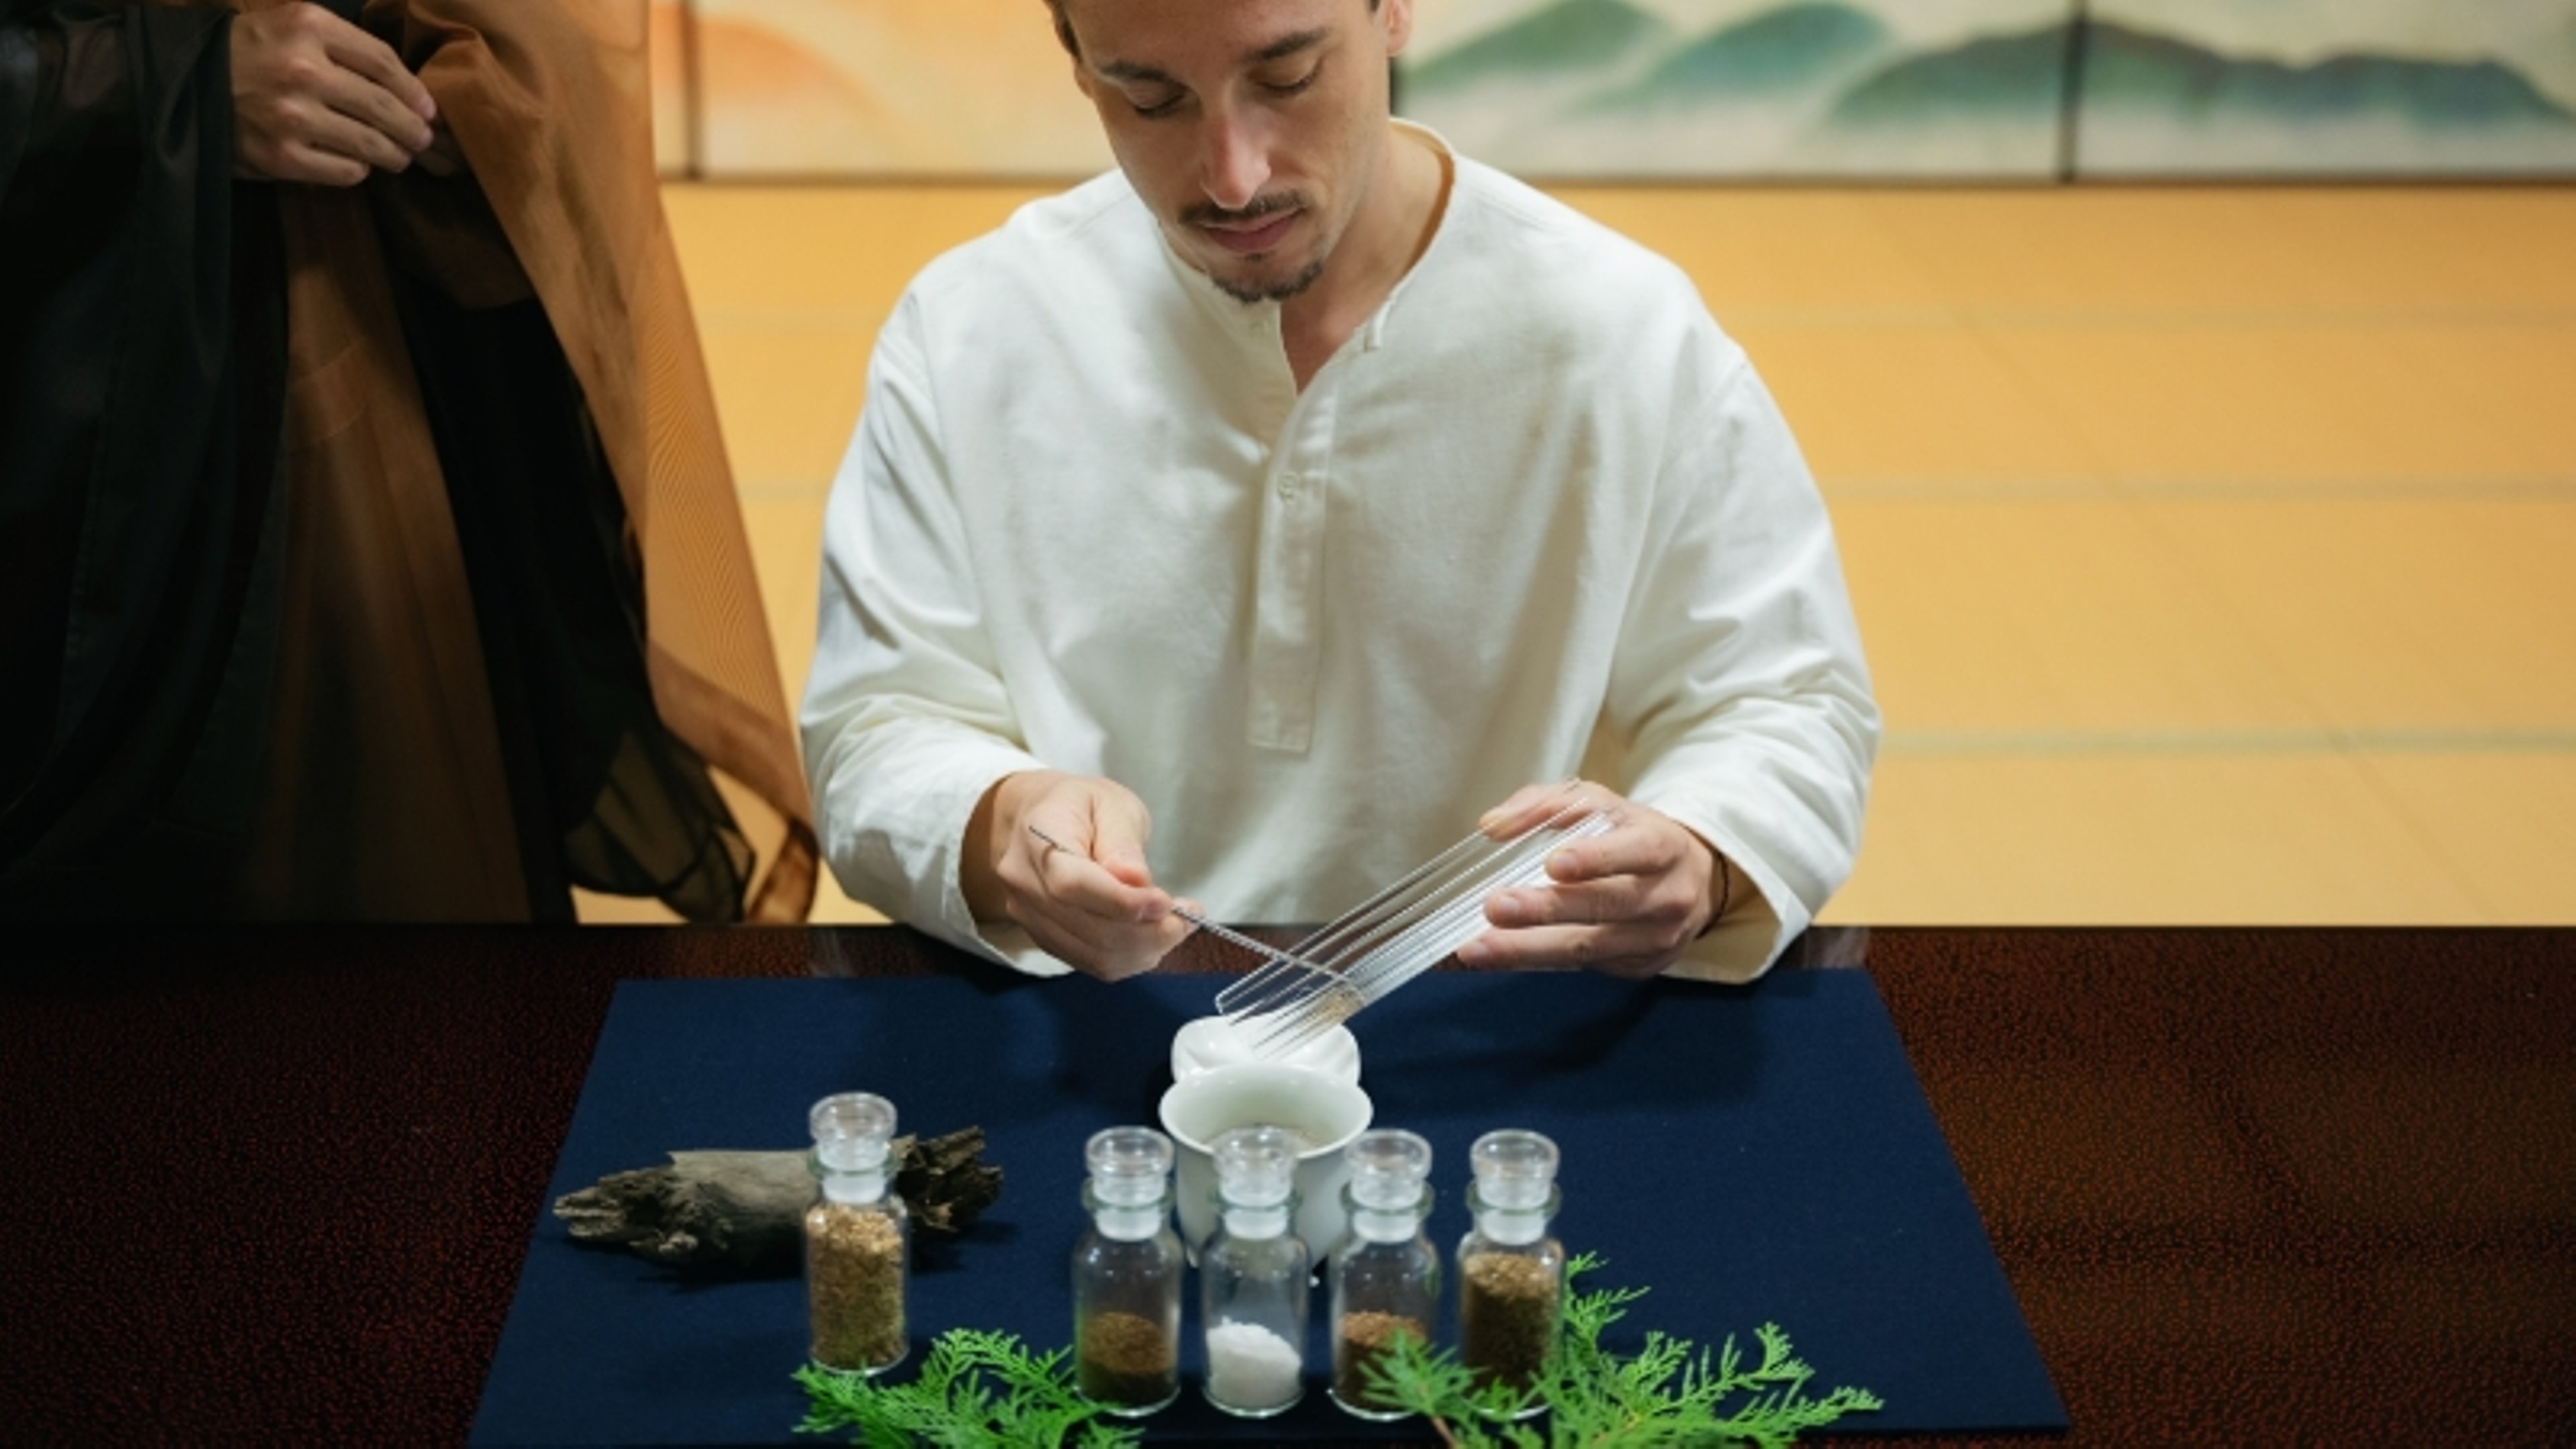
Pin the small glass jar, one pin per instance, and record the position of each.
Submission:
(857, 1237)
(1255, 1277)
(1127, 1275)
(1511, 1273)
(1386, 1276)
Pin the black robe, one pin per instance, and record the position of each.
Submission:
(141, 348)
(144, 503)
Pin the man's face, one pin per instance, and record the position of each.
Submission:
(1253, 128)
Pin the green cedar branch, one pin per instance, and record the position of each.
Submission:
(975, 1390)
(1669, 1392)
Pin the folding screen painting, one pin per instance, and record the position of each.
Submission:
(1712, 88)
(1682, 89)
(2308, 87)
(884, 88)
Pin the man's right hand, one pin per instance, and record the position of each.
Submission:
(316, 99)
(1087, 899)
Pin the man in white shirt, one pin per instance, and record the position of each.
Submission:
(1262, 516)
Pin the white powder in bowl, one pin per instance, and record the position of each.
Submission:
(1249, 1367)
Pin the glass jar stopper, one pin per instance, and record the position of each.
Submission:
(1256, 1167)
(1515, 1170)
(1129, 1165)
(852, 1132)
(1388, 1168)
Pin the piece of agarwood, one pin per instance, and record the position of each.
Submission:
(741, 1212)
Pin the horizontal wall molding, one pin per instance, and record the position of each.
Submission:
(1999, 744)
(2077, 489)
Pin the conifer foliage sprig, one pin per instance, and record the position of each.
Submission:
(982, 1390)
(975, 1390)
(1668, 1393)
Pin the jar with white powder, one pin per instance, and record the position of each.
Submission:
(1255, 1277)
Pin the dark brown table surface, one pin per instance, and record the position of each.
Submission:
(2250, 1186)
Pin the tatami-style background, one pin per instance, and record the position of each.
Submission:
(2215, 549)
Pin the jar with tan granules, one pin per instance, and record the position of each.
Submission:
(856, 1237)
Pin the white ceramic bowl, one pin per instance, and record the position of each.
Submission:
(1323, 1110)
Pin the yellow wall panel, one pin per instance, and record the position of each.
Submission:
(667, 43)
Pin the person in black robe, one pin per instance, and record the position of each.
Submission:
(207, 612)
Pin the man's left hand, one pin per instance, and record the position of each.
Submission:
(1625, 902)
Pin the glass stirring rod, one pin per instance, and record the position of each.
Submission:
(1212, 928)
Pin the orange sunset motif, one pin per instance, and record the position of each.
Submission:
(865, 88)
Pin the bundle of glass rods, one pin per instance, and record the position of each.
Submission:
(1395, 935)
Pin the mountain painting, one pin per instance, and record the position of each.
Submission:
(2328, 87)
(1703, 88)
(1683, 89)
(1998, 88)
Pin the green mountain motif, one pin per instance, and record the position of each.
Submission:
(2137, 69)
(1780, 52)
(2021, 76)
(1563, 39)
(1996, 77)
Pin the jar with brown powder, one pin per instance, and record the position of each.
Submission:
(1386, 1277)
(1511, 1273)
(1127, 1275)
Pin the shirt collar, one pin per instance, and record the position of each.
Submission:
(1372, 333)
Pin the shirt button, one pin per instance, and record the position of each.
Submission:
(1287, 487)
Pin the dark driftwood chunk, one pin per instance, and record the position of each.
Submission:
(945, 1181)
(741, 1212)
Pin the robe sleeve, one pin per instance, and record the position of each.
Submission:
(907, 721)
(133, 497)
(1741, 685)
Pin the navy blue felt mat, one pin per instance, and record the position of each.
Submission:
(1749, 1154)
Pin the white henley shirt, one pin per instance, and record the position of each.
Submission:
(1536, 517)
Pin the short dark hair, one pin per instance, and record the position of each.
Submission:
(1064, 27)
